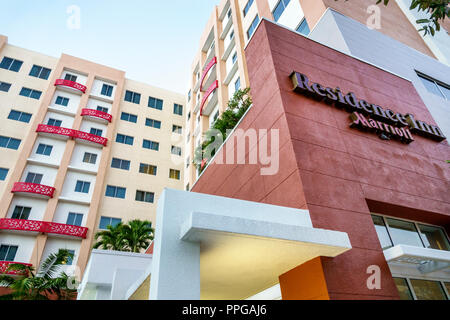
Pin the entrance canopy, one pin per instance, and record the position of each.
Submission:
(210, 247)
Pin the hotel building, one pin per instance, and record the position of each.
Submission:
(81, 147)
(359, 208)
(220, 67)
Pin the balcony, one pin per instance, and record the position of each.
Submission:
(34, 189)
(211, 101)
(71, 85)
(43, 227)
(71, 133)
(51, 130)
(96, 115)
(89, 137)
(209, 73)
(4, 265)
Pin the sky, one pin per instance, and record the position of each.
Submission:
(154, 41)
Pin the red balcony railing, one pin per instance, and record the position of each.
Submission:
(4, 265)
(89, 137)
(44, 227)
(206, 70)
(211, 89)
(96, 114)
(43, 128)
(70, 84)
(38, 189)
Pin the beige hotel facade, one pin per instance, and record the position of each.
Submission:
(81, 147)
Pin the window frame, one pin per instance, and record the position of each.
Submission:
(132, 97)
(416, 226)
(46, 147)
(20, 115)
(13, 62)
(116, 189)
(40, 72)
(122, 164)
(3, 84)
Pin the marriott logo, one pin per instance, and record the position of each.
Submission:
(367, 116)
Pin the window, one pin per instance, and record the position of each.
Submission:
(90, 158)
(34, 178)
(189, 116)
(10, 143)
(121, 138)
(279, 9)
(427, 290)
(82, 186)
(107, 221)
(120, 164)
(128, 117)
(383, 234)
(229, 13)
(3, 173)
(395, 231)
(8, 253)
(21, 213)
(144, 196)
(216, 115)
(96, 132)
(153, 123)
(30, 93)
(5, 86)
(404, 232)
(102, 109)
(176, 150)
(237, 84)
(54, 122)
(436, 87)
(178, 109)
(40, 72)
(434, 237)
(44, 149)
(70, 77)
(188, 162)
(189, 95)
(247, 7)
(147, 169)
(74, 219)
(303, 27)
(403, 289)
(252, 27)
(155, 103)
(11, 64)
(115, 192)
(231, 35)
(187, 187)
(70, 257)
(152, 145)
(234, 58)
(19, 116)
(133, 97)
(174, 174)
(62, 101)
(107, 90)
(177, 129)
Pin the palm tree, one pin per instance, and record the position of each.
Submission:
(111, 239)
(43, 285)
(134, 236)
(138, 234)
